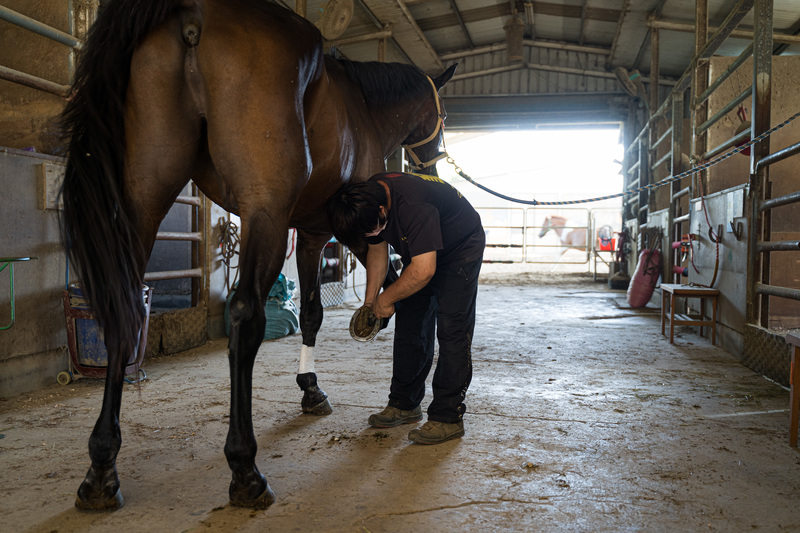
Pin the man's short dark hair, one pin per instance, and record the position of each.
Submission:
(354, 211)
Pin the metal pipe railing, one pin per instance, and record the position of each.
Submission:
(780, 155)
(189, 200)
(725, 110)
(744, 56)
(661, 161)
(194, 236)
(37, 27)
(779, 201)
(681, 193)
(174, 274)
(783, 292)
(667, 134)
(34, 82)
(28, 80)
(742, 136)
(777, 246)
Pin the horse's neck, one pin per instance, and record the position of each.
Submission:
(395, 124)
(557, 224)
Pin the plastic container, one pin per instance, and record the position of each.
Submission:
(87, 349)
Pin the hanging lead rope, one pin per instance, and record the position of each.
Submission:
(661, 183)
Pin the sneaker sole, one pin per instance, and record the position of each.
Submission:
(422, 440)
(382, 425)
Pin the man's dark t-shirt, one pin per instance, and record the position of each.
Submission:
(426, 214)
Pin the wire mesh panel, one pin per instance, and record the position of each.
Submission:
(332, 293)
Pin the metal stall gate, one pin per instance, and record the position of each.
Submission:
(546, 235)
(678, 135)
(766, 350)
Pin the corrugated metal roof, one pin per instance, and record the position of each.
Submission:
(571, 46)
(426, 29)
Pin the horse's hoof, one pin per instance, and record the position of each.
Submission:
(315, 401)
(238, 498)
(266, 499)
(321, 409)
(108, 504)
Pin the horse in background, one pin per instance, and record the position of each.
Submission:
(572, 239)
(237, 96)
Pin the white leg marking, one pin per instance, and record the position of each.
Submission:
(306, 360)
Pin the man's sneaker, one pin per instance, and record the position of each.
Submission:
(433, 432)
(392, 416)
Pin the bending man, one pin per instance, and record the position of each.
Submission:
(440, 239)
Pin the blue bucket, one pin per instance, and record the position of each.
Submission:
(89, 339)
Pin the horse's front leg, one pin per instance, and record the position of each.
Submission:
(309, 255)
(261, 261)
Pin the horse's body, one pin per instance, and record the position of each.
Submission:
(237, 96)
(574, 238)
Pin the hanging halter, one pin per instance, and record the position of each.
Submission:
(418, 164)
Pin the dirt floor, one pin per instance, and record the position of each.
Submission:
(581, 417)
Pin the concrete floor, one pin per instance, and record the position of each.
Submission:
(581, 417)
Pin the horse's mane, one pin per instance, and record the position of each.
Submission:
(386, 84)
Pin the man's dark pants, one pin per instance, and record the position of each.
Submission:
(445, 308)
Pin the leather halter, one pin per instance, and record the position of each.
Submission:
(418, 164)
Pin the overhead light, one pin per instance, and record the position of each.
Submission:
(529, 13)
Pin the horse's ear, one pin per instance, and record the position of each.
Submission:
(445, 76)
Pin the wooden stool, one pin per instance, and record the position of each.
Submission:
(794, 381)
(676, 290)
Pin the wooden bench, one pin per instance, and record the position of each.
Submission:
(793, 340)
(675, 291)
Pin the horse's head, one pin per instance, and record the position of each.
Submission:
(422, 145)
(546, 225)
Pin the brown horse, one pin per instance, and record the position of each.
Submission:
(237, 96)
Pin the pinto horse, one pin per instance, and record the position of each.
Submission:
(574, 238)
(237, 96)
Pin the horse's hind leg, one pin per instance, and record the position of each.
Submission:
(309, 254)
(261, 158)
(261, 261)
(162, 140)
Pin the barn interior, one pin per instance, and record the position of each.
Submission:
(586, 415)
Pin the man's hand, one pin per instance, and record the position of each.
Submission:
(382, 307)
(415, 276)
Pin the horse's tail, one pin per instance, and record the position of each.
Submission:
(98, 234)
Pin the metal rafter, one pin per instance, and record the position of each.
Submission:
(739, 34)
(380, 26)
(503, 10)
(655, 15)
(461, 23)
(582, 36)
(405, 32)
(496, 47)
(622, 13)
(794, 30)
